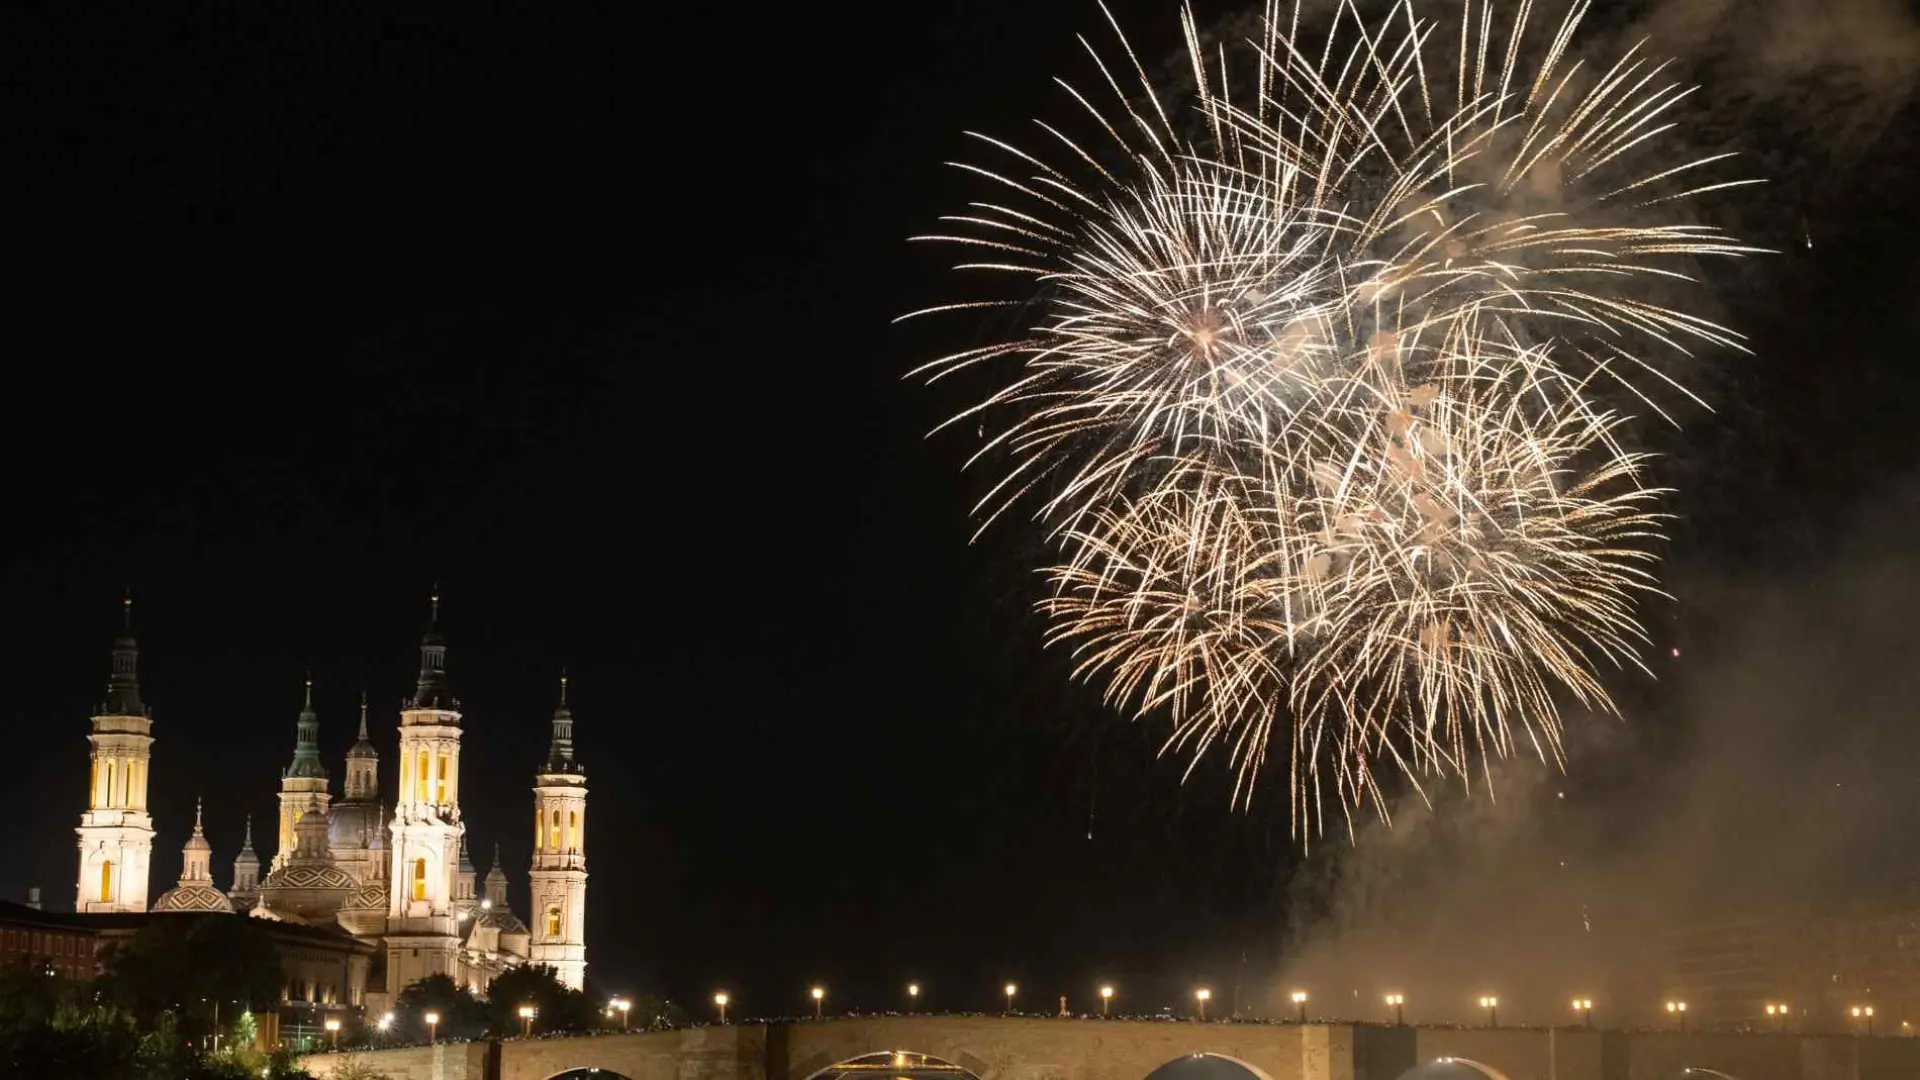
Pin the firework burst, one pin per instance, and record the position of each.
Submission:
(1318, 405)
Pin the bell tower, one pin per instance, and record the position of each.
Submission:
(116, 831)
(303, 786)
(559, 874)
(422, 930)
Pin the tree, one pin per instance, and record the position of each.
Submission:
(194, 967)
(556, 1007)
(462, 1016)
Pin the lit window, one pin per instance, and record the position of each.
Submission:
(553, 921)
(440, 785)
(419, 879)
(93, 784)
(420, 779)
(553, 839)
(539, 834)
(106, 881)
(573, 831)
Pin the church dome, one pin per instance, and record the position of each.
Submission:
(193, 897)
(369, 897)
(352, 826)
(311, 892)
(501, 919)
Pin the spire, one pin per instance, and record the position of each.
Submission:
(363, 746)
(431, 692)
(197, 842)
(496, 883)
(196, 854)
(560, 750)
(246, 844)
(306, 745)
(123, 685)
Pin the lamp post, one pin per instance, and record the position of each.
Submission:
(1202, 996)
(1584, 1006)
(720, 1002)
(333, 1028)
(1677, 1010)
(1300, 1003)
(1865, 1012)
(433, 1027)
(1010, 989)
(526, 1021)
(819, 995)
(385, 1025)
(1778, 1014)
(1492, 1005)
(1106, 999)
(1399, 1004)
(913, 997)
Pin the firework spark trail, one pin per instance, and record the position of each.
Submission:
(1315, 412)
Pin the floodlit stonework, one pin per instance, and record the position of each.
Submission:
(400, 882)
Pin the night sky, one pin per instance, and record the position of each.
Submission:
(587, 319)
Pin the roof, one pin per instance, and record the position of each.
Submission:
(129, 922)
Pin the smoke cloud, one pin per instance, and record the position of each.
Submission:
(1776, 772)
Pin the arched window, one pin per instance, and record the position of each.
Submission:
(106, 881)
(553, 838)
(440, 784)
(573, 831)
(133, 784)
(420, 779)
(553, 920)
(419, 879)
(539, 833)
(109, 798)
(93, 785)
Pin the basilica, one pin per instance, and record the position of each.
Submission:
(388, 873)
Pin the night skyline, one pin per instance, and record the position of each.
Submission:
(323, 311)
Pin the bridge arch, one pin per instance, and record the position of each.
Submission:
(895, 1065)
(1208, 1066)
(1453, 1068)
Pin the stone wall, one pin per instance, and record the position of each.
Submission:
(1015, 1048)
(734, 1052)
(444, 1061)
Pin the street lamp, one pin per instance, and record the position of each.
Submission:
(1492, 1005)
(1778, 1012)
(1203, 995)
(1584, 1006)
(526, 1021)
(1865, 1012)
(1106, 999)
(385, 1025)
(720, 1002)
(1300, 1003)
(1399, 1003)
(1678, 1011)
(913, 997)
(433, 1026)
(333, 1028)
(623, 1007)
(819, 994)
(1010, 990)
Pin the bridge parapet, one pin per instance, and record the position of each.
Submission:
(1018, 1048)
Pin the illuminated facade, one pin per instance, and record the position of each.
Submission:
(399, 883)
(116, 832)
(559, 872)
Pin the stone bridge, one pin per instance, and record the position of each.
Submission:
(1016, 1048)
